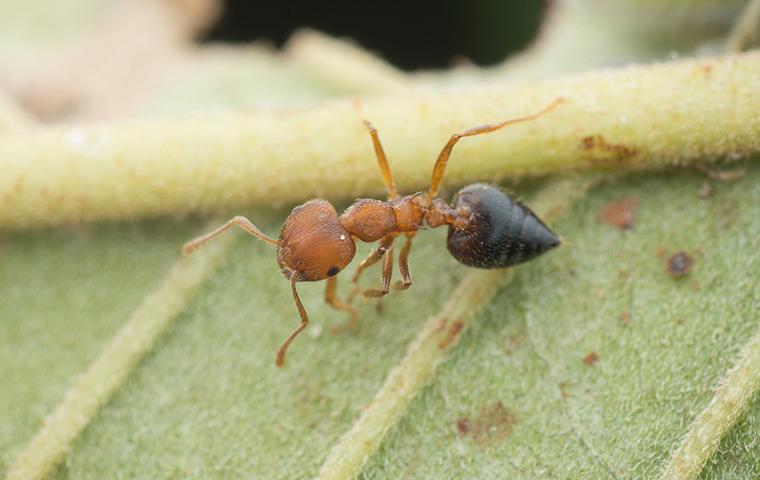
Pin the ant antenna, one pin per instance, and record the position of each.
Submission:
(241, 222)
(443, 157)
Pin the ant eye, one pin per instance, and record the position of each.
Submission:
(333, 271)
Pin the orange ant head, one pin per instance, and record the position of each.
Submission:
(313, 244)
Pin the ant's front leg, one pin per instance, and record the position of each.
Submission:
(374, 256)
(280, 358)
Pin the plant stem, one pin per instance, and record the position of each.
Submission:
(635, 117)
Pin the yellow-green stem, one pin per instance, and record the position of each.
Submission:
(636, 117)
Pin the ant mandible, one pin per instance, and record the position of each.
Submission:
(487, 229)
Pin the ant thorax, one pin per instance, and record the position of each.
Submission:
(370, 220)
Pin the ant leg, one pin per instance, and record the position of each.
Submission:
(280, 358)
(241, 222)
(385, 169)
(332, 299)
(387, 272)
(403, 264)
(443, 157)
(372, 258)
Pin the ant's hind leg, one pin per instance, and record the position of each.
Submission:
(280, 358)
(241, 222)
(332, 299)
(374, 256)
(403, 264)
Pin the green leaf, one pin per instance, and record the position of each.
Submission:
(739, 454)
(515, 396)
(662, 344)
(63, 294)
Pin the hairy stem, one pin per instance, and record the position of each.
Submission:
(636, 117)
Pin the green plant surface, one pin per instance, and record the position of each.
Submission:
(436, 338)
(620, 417)
(63, 294)
(738, 456)
(212, 377)
(209, 403)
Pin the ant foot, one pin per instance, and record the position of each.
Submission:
(373, 293)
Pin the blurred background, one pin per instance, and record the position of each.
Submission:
(95, 60)
(410, 35)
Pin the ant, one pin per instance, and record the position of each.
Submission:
(486, 229)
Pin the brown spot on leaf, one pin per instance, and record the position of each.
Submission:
(602, 152)
(463, 425)
(591, 358)
(565, 389)
(679, 264)
(625, 317)
(452, 334)
(620, 213)
(624, 274)
(513, 343)
(490, 427)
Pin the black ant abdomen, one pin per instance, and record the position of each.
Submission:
(502, 232)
